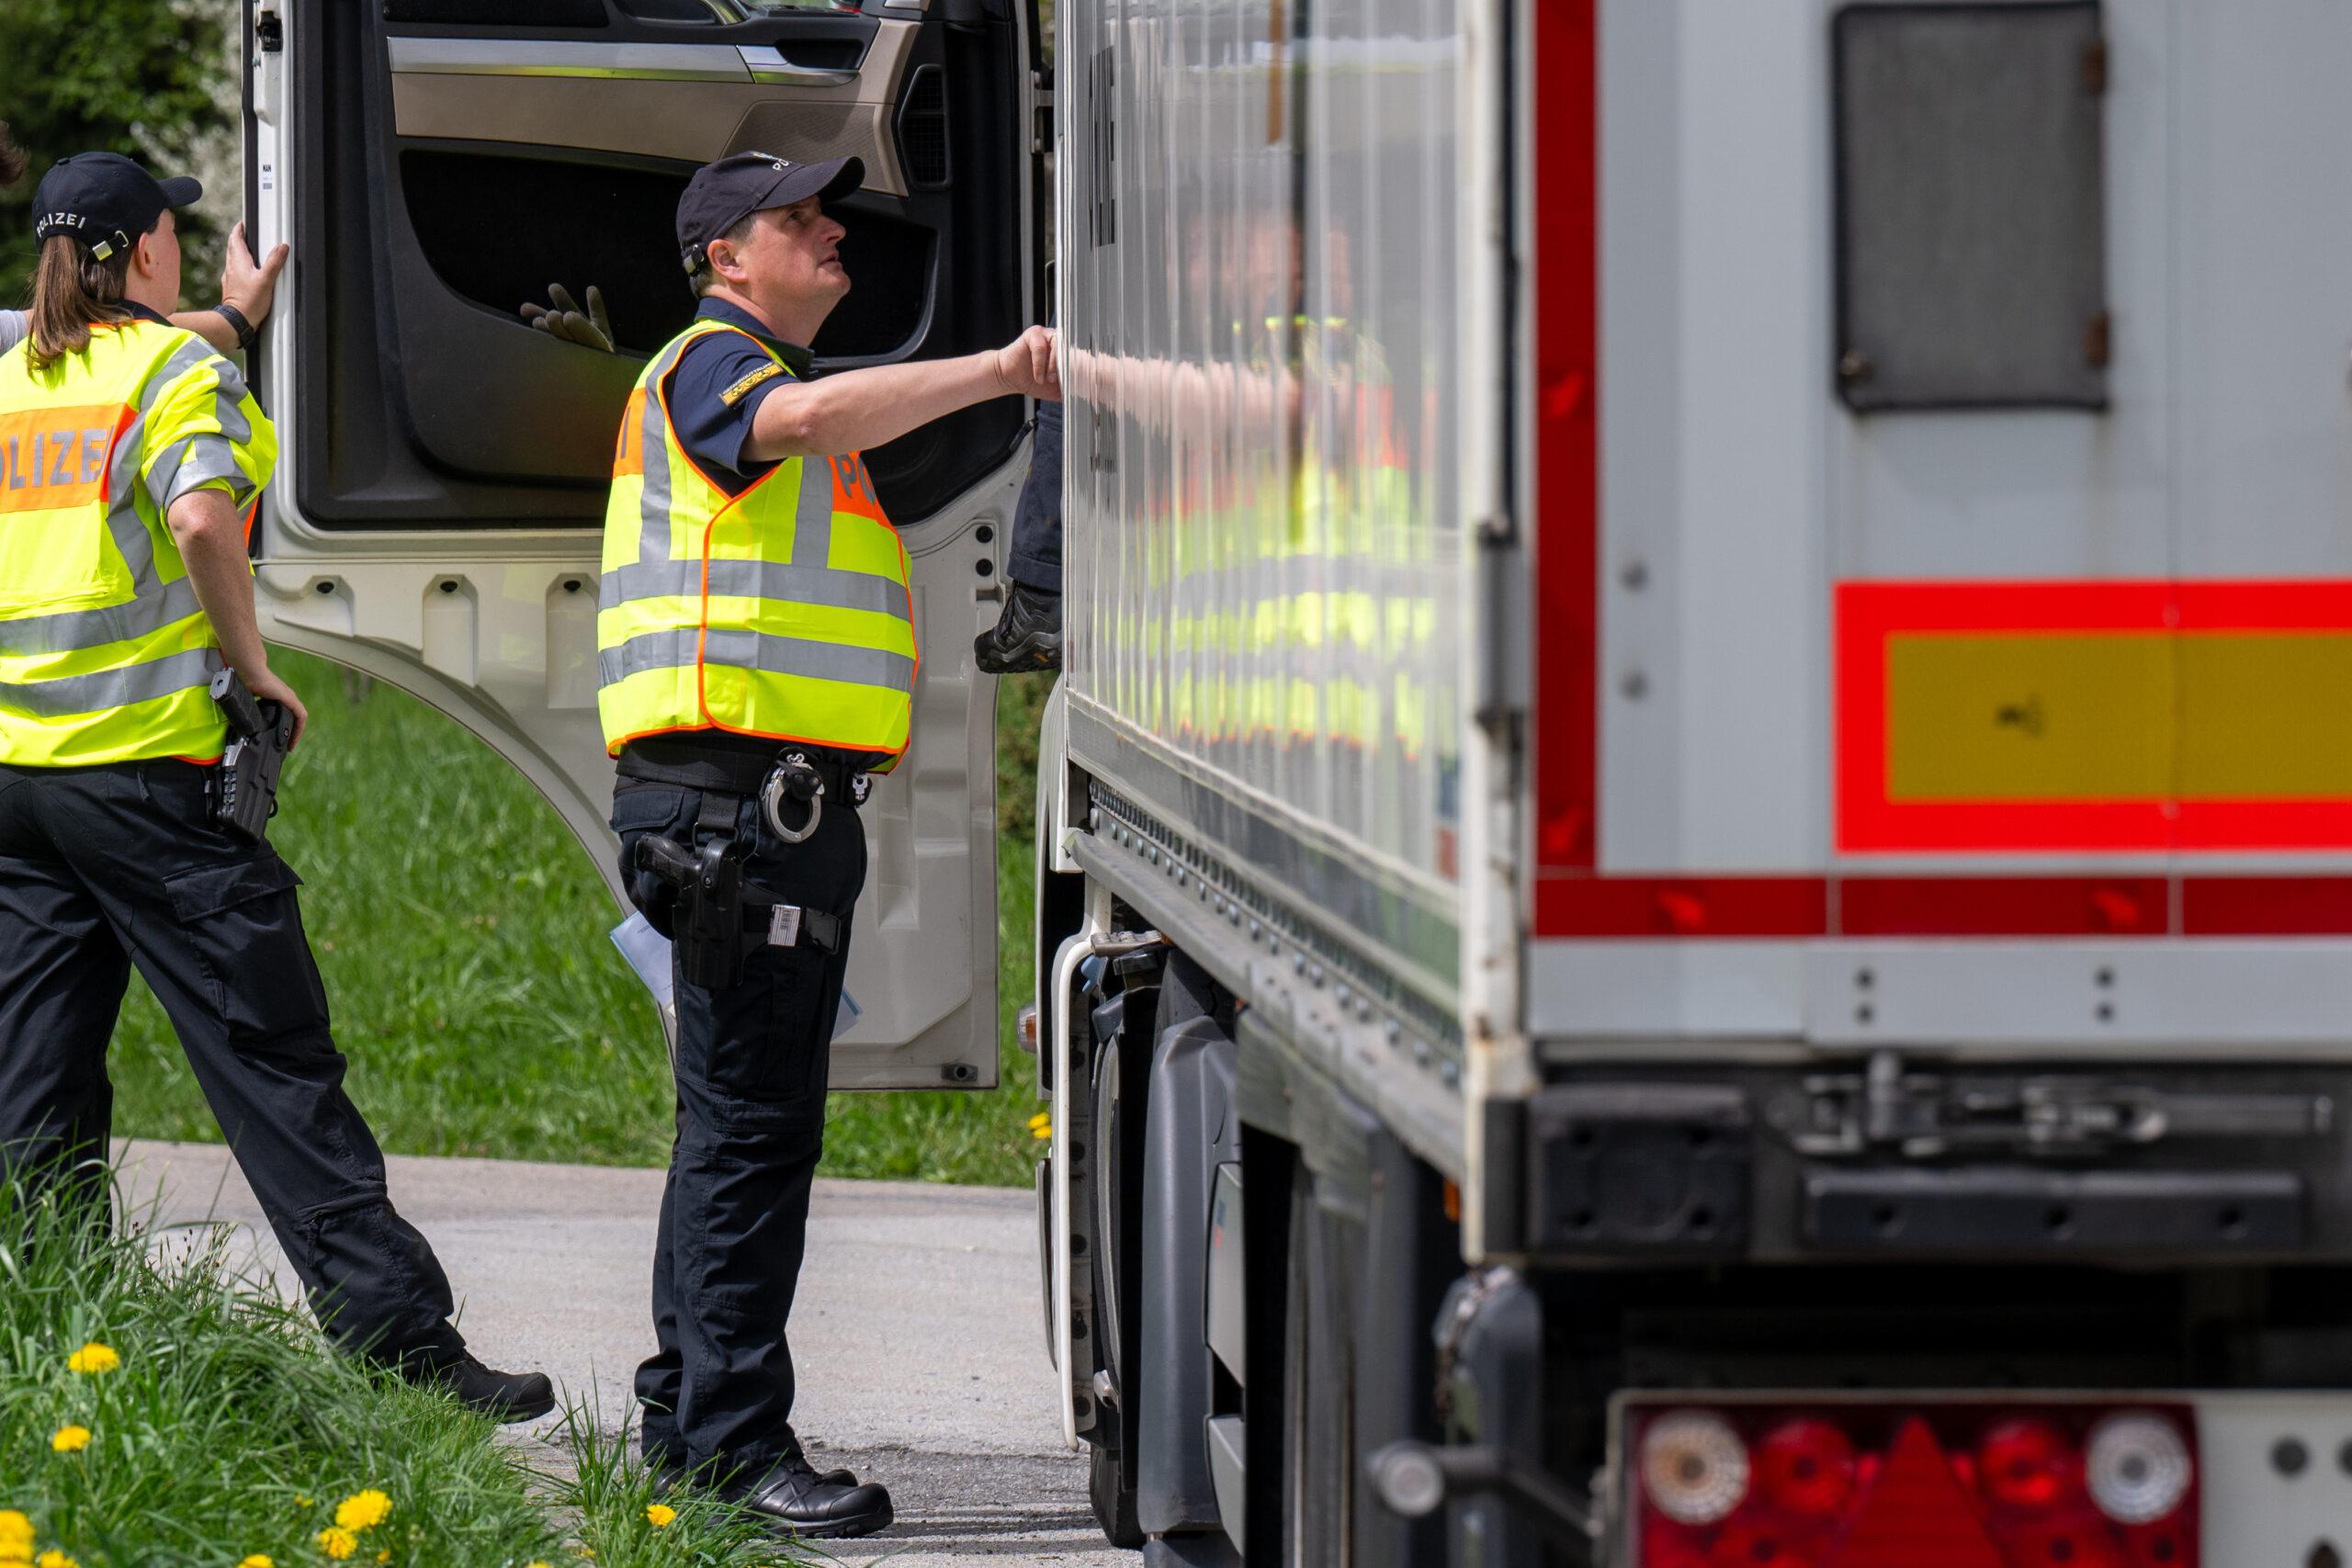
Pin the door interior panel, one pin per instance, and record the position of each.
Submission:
(459, 167)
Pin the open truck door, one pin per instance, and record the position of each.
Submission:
(436, 516)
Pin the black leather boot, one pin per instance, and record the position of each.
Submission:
(1027, 637)
(502, 1396)
(796, 1500)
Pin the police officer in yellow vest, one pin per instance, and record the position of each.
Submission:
(133, 458)
(757, 652)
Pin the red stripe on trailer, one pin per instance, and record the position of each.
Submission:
(1680, 907)
(1564, 87)
(1701, 908)
(2004, 906)
(2266, 906)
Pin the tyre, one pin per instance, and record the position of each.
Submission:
(1318, 1424)
(1112, 1493)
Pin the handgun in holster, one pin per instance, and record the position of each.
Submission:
(708, 927)
(245, 783)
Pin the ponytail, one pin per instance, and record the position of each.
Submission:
(73, 290)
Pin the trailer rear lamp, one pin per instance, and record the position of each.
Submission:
(2137, 1467)
(2024, 1463)
(1695, 1467)
(1889, 1481)
(1807, 1468)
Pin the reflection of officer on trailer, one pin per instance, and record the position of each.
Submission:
(133, 458)
(756, 649)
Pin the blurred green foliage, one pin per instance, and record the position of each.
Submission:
(154, 80)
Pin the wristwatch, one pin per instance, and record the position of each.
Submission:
(246, 332)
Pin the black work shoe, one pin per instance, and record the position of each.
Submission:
(670, 1473)
(796, 1500)
(1027, 637)
(502, 1396)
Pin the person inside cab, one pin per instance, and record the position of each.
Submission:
(131, 460)
(757, 658)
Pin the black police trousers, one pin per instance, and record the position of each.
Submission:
(750, 1079)
(103, 867)
(1036, 561)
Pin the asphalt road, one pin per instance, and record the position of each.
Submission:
(917, 1334)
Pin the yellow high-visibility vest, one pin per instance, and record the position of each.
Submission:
(785, 612)
(105, 654)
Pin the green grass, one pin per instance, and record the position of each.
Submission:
(225, 1430)
(461, 932)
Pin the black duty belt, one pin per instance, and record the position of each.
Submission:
(743, 773)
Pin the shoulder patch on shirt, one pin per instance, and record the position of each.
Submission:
(734, 394)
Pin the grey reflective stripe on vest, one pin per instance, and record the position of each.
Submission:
(103, 690)
(153, 604)
(755, 580)
(653, 458)
(761, 651)
(812, 515)
(68, 631)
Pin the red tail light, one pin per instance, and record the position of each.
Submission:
(1923, 1486)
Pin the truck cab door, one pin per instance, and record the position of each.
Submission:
(436, 518)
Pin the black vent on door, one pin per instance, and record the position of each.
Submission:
(923, 128)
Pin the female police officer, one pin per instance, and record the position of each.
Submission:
(134, 457)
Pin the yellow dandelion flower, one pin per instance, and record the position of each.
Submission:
(385, 1555)
(70, 1439)
(363, 1510)
(301, 1501)
(338, 1542)
(93, 1357)
(15, 1534)
(53, 1558)
(659, 1515)
(256, 1561)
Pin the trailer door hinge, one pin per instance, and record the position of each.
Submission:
(1502, 624)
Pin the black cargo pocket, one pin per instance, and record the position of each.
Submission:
(243, 930)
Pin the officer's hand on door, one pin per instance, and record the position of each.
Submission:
(591, 329)
(247, 284)
(1030, 364)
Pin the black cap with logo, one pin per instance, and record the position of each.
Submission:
(722, 195)
(105, 200)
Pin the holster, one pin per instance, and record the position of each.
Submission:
(720, 916)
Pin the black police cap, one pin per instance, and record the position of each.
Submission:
(722, 195)
(105, 200)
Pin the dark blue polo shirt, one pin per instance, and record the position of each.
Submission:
(718, 384)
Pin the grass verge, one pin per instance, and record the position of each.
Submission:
(156, 1413)
(461, 933)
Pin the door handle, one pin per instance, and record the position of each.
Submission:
(766, 64)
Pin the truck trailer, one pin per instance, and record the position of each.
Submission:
(1693, 902)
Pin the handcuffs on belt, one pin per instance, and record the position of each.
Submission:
(794, 775)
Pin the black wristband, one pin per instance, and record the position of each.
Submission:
(245, 328)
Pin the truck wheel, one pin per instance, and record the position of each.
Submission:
(1318, 1425)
